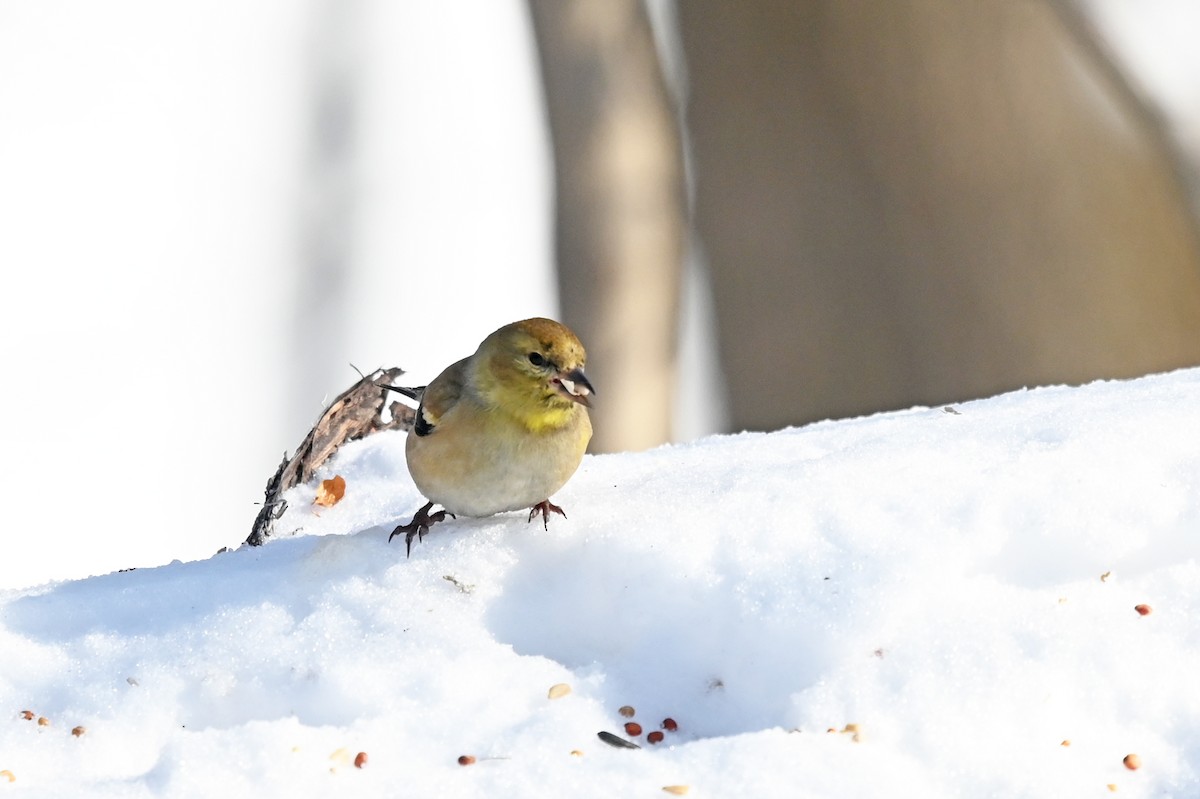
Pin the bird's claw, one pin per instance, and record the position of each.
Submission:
(422, 520)
(545, 506)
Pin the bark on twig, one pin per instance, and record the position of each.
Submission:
(358, 412)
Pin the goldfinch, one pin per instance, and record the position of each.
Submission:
(502, 429)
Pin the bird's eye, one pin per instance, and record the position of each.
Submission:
(536, 359)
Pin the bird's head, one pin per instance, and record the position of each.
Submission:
(535, 368)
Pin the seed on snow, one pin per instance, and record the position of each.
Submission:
(616, 740)
(1143, 610)
(669, 725)
(654, 737)
(627, 711)
(1132, 762)
(466, 760)
(559, 690)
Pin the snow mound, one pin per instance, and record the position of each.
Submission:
(935, 602)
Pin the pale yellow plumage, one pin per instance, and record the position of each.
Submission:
(503, 429)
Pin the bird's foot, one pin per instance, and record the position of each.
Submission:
(422, 520)
(545, 506)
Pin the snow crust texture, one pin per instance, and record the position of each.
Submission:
(934, 602)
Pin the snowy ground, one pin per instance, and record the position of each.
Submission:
(958, 583)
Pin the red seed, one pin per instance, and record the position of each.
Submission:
(1132, 762)
(1143, 610)
(669, 725)
(633, 728)
(654, 737)
(466, 760)
(360, 760)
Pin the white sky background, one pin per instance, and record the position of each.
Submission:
(158, 192)
(1157, 40)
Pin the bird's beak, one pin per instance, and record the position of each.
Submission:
(576, 386)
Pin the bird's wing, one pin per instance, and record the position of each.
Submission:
(440, 396)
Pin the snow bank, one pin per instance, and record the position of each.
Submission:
(958, 584)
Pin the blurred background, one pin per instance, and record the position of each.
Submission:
(754, 214)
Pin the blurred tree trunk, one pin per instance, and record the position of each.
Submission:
(919, 201)
(330, 202)
(620, 208)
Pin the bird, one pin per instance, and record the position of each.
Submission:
(502, 429)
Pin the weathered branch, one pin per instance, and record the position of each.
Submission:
(358, 412)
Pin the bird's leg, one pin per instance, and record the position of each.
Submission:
(422, 520)
(545, 506)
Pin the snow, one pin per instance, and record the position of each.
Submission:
(959, 583)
